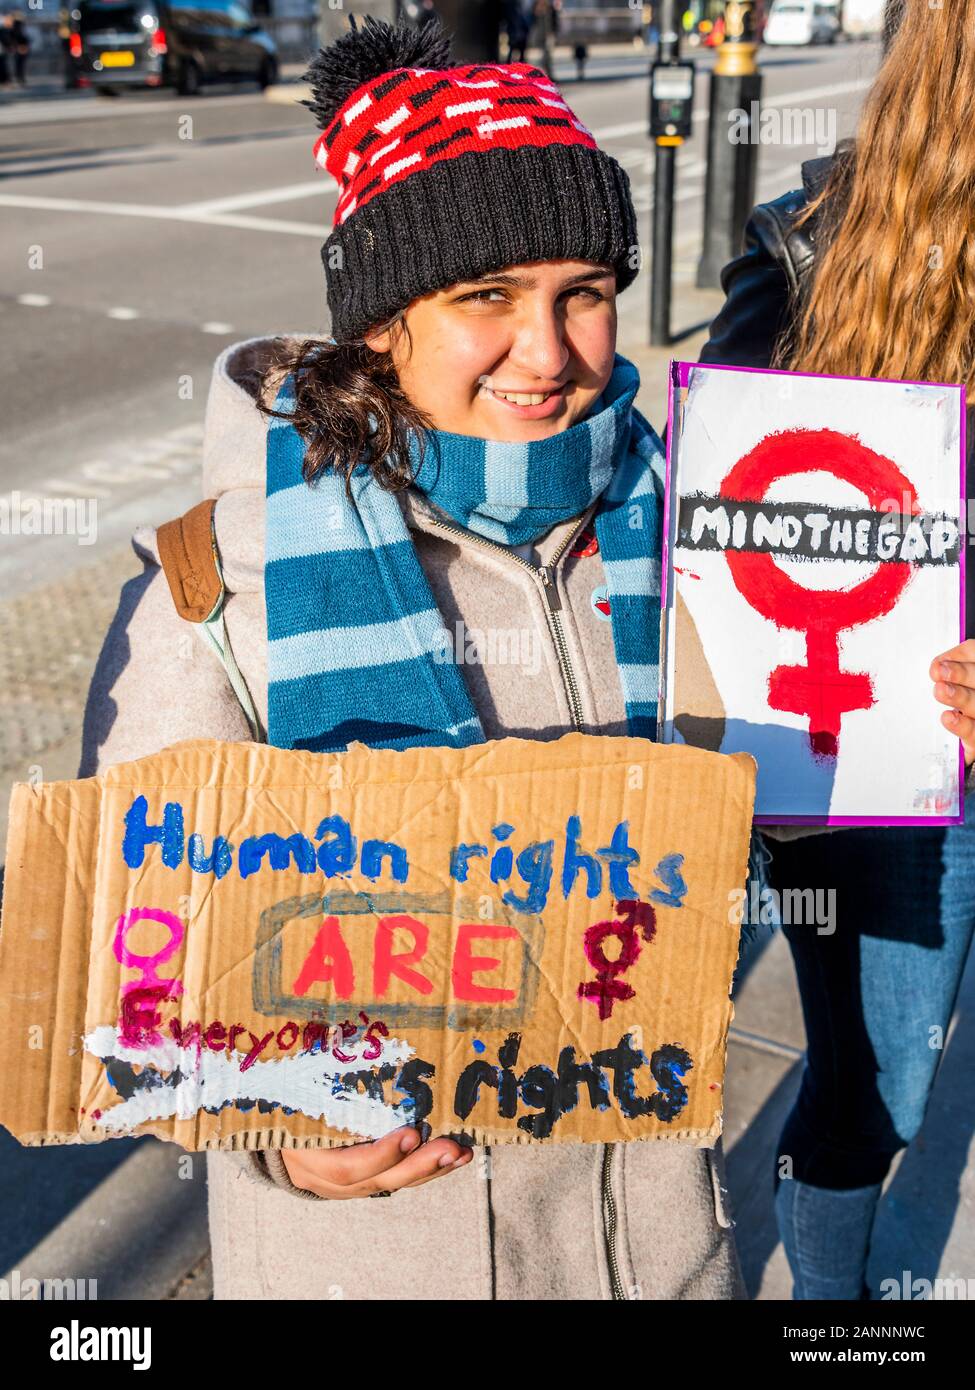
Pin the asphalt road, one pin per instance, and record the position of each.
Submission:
(141, 235)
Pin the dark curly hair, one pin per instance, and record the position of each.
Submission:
(348, 400)
(340, 386)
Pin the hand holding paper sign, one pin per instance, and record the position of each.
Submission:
(953, 673)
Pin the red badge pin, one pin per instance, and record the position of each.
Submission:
(586, 544)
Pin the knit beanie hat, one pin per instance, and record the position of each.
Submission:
(448, 173)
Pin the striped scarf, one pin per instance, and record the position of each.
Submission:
(357, 649)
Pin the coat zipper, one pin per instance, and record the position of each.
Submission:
(609, 1225)
(554, 612)
(552, 601)
(558, 632)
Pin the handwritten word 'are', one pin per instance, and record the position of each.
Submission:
(329, 960)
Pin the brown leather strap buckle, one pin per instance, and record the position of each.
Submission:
(188, 553)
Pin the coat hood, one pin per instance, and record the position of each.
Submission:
(234, 438)
(234, 430)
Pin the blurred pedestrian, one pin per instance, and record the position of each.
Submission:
(518, 21)
(538, 10)
(14, 48)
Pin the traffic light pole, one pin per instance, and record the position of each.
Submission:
(668, 136)
(736, 91)
(661, 274)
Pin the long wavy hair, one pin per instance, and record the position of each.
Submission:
(892, 293)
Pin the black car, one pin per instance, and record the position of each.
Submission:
(168, 43)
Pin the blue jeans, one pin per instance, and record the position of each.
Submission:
(877, 998)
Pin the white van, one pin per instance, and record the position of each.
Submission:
(801, 22)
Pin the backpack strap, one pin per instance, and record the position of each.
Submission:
(191, 562)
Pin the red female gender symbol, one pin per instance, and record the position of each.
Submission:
(819, 689)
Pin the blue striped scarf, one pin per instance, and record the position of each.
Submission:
(356, 646)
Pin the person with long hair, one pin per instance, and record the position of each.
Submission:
(869, 271)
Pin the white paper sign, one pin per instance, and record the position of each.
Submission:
(814, 569)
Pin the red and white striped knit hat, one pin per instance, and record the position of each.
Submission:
(447, 173)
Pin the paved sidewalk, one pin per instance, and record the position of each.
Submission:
(140, 1233)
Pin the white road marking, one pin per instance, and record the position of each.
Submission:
(833, 89)
(93, 108)
(253, 200)
(220, 212)
(172, 214)
(37, 301)
(122, 312)
(216, 327)
(265, 224)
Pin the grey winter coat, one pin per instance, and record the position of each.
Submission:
(587, 1221)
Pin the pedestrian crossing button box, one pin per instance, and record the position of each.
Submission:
(671, 99)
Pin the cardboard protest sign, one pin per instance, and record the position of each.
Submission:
(236, 946)
(814, 568)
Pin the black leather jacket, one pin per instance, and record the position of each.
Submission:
(763, 284)
(763, 287)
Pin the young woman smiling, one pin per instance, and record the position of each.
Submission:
(477, 464)
(476, 459)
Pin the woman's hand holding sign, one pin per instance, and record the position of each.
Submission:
(385, 1165)
(953, 673)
